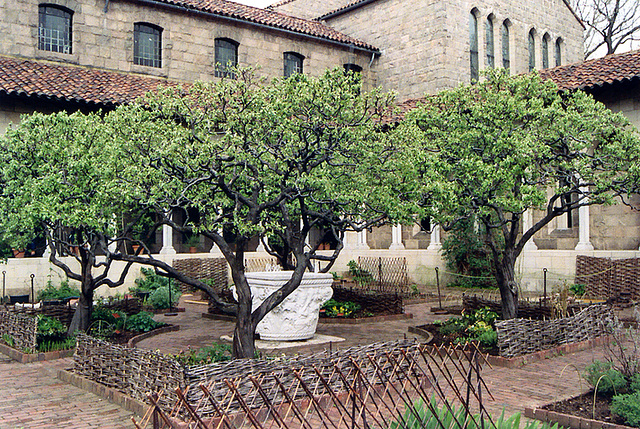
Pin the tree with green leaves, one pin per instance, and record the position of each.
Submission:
(255, 158)
(56, 179)
(512, 144)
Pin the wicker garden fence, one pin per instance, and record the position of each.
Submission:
(526, 309)
(385, 274)
(363, 387)
(520, 336)
(609, 278)
(214, 269)
(22, 328)
(378, 303)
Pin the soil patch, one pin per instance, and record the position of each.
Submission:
(582, 406)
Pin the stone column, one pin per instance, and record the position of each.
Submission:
(361, 242)
(435, 243)
(167, 239)
(396, 238)
(584, 239)
(527, 221)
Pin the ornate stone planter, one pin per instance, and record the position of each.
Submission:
(296, 318)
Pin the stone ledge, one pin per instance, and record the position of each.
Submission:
(135, 340)
(569, 421)
(112, 395)
(34, 357)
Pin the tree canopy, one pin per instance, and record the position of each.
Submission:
(512, 144)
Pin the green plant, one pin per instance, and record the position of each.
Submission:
(335, 308)
(64, 291)
(578, 289)
(627, 406)
(475, 326)
(9, 340)
(142, 322)
(50, 329)
(193, 240)
(359, 275)
(150, 281)
(604, 378)
(634, 383)
(205, 355)
(159, 298)
(53, 345)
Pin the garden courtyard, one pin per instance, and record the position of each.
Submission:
(33, 397)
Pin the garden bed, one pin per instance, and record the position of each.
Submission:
(578, 413)
(21, 357)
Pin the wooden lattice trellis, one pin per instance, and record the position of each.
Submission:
(364, 387)
(386, 274)
(517, 337)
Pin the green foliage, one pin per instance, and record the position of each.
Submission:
(64, 291)
(608, 379)
(9, 340)
(634, 384)
(142, 322)
(359, 275)
(465, 252)
(335, 308)
(54, 345)
(627, 406)
(475, 326)
(151, 281)
(50, 328)
(578, 289)
(205, 355)
(159, 298)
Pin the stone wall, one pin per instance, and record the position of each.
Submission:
(105, 40)
(425, 46)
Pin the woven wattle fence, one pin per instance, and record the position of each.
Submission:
(214, 269)
(526, 310)
(609, 278)
(518, 337)
(23, 329)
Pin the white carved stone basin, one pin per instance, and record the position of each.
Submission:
(296, 318)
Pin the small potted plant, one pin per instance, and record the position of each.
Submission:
(193, 242)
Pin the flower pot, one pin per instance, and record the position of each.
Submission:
(296, 318)
(193, 249)
(18, 253)
(135, 248)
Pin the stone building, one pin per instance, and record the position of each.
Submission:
(95, 54)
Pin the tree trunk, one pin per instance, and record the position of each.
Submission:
(82, 316)
(505, 270)
(244, 332)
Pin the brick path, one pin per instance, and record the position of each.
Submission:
(32, 397)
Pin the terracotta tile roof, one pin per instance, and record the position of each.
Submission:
(606, 70)
(268, 18)
(71, 83)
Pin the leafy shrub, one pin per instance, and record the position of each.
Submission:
(50, 329)
(333, 308)
(359, 275)
(142, 322)
(608, 379)
(475, 326)
(628, 407)
(159, 298)
(150, 281)
(634, 384)
(578, 289)
(205, 355)
(9, 340)
(64, 291)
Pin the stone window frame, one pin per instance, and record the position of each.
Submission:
(47, 41)
(490, 46)
(505, 34)
(225, 49)
(293, 62)
(545, 50)
(558, 51)
(147, 55)
(474, 46)
(531, 47)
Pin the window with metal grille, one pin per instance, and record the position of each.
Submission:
(292, 63)
(474, 66)
(558, 52)
(54, 29)
(545, 51)
(226, 53)
(490, 48)
(506, 50)
(532, 49)
(147, 45)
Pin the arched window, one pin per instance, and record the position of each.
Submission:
(54, 28)
(491, 60)
(292, 63)
(352, 67)
(226, 54)
(545, 50)
(474, 67)
(506, 50)
(532, 49)
(558, 52)
(147, 45)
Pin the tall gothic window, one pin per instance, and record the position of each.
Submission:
(491, 61)
(226, 52)
(558, 52)
(532, 49)
(545, 51)
(292, 63)
(147, 45)
(474, 66)
(506, 50)
(54, 29)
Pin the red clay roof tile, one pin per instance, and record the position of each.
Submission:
(72, 83)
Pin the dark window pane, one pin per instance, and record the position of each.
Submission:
(54, 29)
(473, 48)
(147, 48)
(532, 50)
(558, 52)
(226, 52)
(491, 62)
(506, 51)
(292, 63)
